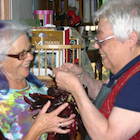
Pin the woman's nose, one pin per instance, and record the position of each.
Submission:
(96, 45)
(29, 56)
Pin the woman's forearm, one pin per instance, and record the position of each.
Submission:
(93, 85)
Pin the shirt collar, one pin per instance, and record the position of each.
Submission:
(115, 77)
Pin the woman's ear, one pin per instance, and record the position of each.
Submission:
(133, 38)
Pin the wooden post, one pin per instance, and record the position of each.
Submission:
(60, 7)
(65, 6)
(47, 5)
(5, 9)
(54, 10)
(41, 4)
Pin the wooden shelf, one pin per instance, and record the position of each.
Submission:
(58, 22)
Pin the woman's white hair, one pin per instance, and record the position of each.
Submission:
(124, 15)
(10, 30)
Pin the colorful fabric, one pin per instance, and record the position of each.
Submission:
(15, 117)
(110, 100)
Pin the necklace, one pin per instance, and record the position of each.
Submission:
(21, 89)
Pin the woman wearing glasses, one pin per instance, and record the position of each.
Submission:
(16, 122)
(115, 114)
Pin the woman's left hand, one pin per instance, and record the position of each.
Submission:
(50, 122)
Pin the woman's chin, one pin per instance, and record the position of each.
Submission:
(107, 66)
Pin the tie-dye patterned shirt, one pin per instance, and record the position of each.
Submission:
(15, 117)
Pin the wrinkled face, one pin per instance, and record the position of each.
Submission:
(112, 50)
(12, 67)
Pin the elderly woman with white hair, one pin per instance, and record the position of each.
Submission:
(16, 122)
(115, 114)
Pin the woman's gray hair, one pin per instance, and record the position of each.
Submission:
(10, 30)
(124, 15)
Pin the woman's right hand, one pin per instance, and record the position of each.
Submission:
(78, 70)
(49, 122)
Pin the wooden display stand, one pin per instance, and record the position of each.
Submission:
(62, 52)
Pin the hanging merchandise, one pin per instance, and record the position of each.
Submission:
(73, 19)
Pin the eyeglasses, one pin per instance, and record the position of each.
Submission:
(99, 42)
(23, 54)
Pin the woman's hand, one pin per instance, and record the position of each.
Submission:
(76, 69)
(67, 80)
(50, 122)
